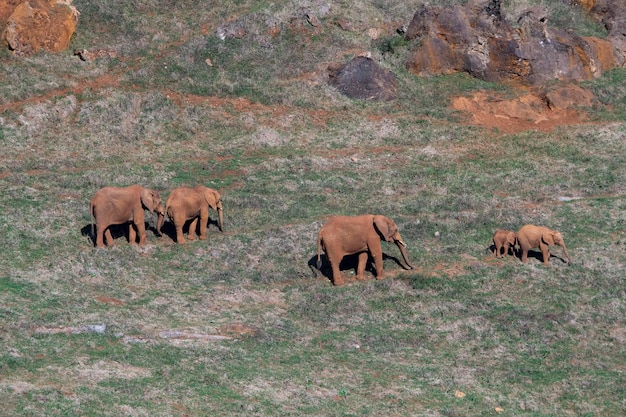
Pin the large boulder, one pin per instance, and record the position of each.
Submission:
(362, 78)
(477, 38)
(35, 25)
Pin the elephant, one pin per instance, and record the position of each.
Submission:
(348, 235)
(185, 203)
(531, 236)
(113, 205)
(503, 239)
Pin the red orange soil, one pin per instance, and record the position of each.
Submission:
(527, 112)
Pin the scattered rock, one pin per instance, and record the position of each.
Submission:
(569, 96)
(86, 55)
(35, 25)
(313, 20)
(344, 24)
(231, 30)
(362, 78)
(89, 328)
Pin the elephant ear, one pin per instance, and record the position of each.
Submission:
(146, 199)
(212, 198)
(511, 238)
(548, 237)
(382, 225)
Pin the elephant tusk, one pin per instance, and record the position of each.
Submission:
(402, 243)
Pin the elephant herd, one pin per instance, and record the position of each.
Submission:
(339, 237)
(112, 205)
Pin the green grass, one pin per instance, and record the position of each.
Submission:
(286, 150)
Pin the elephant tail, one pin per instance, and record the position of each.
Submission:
(91, 218)
(319, 252)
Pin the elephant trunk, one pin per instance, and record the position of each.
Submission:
(220, 216)
(402, 246)
(160, 221)
(569, 260)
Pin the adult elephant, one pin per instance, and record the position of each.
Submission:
(530, 236)
(114, 205)
(348, 235)
(185, 203)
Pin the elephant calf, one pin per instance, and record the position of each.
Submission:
(348, 235)
(503, 239)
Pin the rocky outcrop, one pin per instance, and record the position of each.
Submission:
(362, 78)
(35, 25)
(478, 39)
(612, 14)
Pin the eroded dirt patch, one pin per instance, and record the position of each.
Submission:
(526, 112)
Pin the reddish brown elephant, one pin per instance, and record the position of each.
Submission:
(185, 203)
(348, 235)
(531, 236)
(503, 239)
(113, 205)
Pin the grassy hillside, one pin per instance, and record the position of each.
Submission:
(240, 324)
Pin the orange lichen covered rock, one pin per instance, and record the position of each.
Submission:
(35, 25)
(6, 8)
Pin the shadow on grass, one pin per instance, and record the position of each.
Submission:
(349, 262)
(169, 230)
(117, 231)
(532, 254)
(512, 251)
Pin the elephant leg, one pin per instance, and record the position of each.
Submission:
(100, 237)
(496, 250)
(204, 219)
(378, 264)
(132, 234)
(524, 254)
(337, 277)
(506, 250)
(109, 237)
(360, 269)
(192, 229)
(545, 253)
(141, 230)
(334, 264)
(179, 232)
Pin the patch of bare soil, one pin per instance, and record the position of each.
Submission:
(526, 112)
